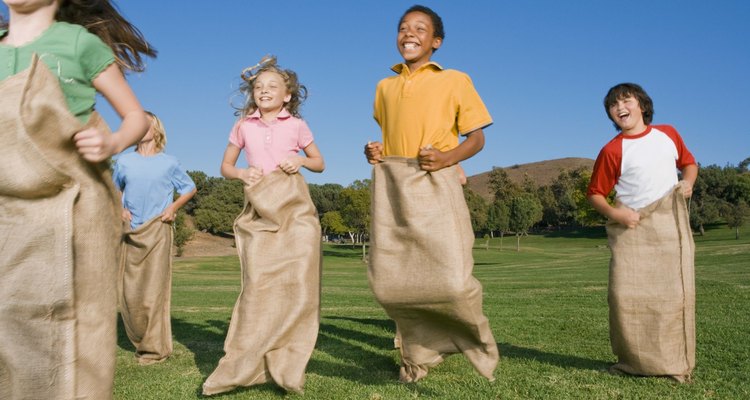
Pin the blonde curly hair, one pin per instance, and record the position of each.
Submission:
(297, 91)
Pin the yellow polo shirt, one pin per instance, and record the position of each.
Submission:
(431, 106)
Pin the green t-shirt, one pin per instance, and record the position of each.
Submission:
(72, 53)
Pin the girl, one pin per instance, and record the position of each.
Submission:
(148, 179)
(275, 320)
(58, 214)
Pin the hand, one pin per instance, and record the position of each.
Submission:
(126, 215)
(626, 216)
(431, 159)
(251, 175)
(169, 214)
(94, 145)
(292, 164)
(461, 175)
(374, 152)
(687, 188)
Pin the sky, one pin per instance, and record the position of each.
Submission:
(542, 68)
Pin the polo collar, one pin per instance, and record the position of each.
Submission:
(402, 68)
(283, 114)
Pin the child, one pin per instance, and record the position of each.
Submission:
(275, 321)
(651, 284)
(148, 179)
(57, 208)
(421, 262)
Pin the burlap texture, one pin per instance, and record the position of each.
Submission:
(652, 291)
(145, 288)
(275, 321)
(421, 266)
(59, 238)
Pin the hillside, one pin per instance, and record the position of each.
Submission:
(542, 172)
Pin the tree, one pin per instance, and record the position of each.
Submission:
(478, 209)
(355, 211)
(502, 186)
(216, 211)
(325, 197)
(498, 219)
(525, 211)
(332, 222)
(736, 214)
(182, 232)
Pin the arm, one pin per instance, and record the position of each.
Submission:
(170, 213)
(313, 161)
(250, 176)
(125, 215)
(623, 215)
(95, 145)
(689, 175)
(433, 159)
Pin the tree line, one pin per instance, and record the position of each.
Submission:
(721, 194)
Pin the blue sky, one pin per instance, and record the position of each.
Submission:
(542, 68)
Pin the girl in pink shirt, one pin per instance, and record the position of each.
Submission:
(270, 128)
(275, 320)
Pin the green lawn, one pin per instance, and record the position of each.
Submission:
(547, 305)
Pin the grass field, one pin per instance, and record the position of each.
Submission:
(547, 305)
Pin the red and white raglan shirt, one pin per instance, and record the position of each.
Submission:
(641, 168)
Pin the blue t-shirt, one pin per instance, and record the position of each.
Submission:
(148, 184)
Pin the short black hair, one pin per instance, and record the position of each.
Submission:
(437, 22)
(624, 90)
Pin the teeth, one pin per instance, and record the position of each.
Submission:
(410, 46)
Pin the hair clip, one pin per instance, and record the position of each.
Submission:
(249, 73)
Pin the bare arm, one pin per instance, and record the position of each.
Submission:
(169, 213)
(689, 175)
(433, 159)
(95, 145)
(313, 161)
(250, 175)
(623, 215)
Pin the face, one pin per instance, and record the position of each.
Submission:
(29, 6)
(628, 115)
(416, 40)
(270, 92)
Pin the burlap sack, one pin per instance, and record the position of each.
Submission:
(59, 239)
(275, 321)
(652, 291)
(145, 288)
(421, 267)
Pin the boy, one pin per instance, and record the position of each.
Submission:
(421, 262)
(651, 283)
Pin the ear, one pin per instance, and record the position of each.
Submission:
(436, 42)
(287, 98)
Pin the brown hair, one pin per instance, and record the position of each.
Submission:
(625, 90)
(102, 18)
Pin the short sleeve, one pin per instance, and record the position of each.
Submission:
(305, 136)
(235, 135)
(472, 113)
(684, 156)
(118, 177)
(606, 170)
(95, 56)
(181, 180)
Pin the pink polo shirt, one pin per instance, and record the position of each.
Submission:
(266, 144)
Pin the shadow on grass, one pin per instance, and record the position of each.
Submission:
(351, 345)
(122, 337)
(343, 251)
(206, 342)
(560, 360)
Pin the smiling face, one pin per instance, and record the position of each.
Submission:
(270, 93)
(626, 112)
(416, 39)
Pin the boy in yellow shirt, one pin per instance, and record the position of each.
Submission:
(421, 262)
